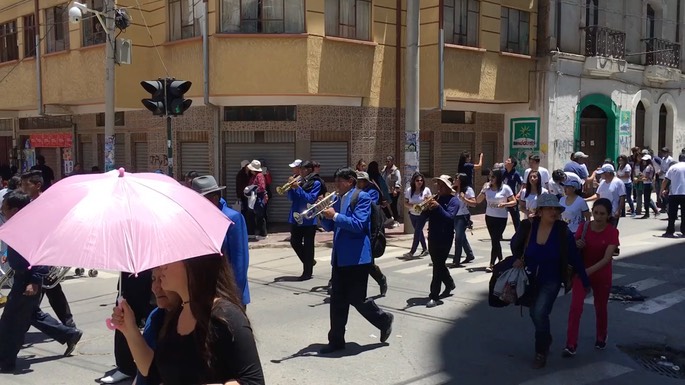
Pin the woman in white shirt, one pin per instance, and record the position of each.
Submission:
(528, 197)
(463, 219)
(499, 198)
(624, 173)
(416, 194)
(576, 210)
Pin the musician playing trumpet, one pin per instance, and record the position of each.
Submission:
(302, 232)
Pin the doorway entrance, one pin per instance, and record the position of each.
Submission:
(640, 125)
(593, 135)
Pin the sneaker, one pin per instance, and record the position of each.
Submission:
(432, 303)
(633, 215)
(71, 344)
(387, 331)
(408, 255)
(569, 351)
(601, 345)
(469, 259)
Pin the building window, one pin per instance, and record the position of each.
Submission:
(457, 117)
(8, 42)
(93, 33)
(260, 113)
(184, 19)
(348, 18)
(591, 13)
(29, 35)
(57, 20)
(119, 119)
(262, 16)
(461, 22)
(515, 31)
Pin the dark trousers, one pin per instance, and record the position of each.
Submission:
(418, 222)
(348, 288)
(58, 303)
(302, 241)
(439, 252)
(245, 211)
(660, 202)
(376, 273)
(393, 207)
(647, 195)
(515, 216)
(256, 219)
(629, 199)
(496, 227)
(15, 322)
(539, 313)
(137, 291)
(51, 327)
(461, 242)
(673, 202)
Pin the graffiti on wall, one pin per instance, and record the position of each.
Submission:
(158, 161)
(624, 133)
(525, 139)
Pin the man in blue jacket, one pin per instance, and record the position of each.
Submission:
(302, 234)
(351, 260)
(235, 244)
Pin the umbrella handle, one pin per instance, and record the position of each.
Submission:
(108, 321)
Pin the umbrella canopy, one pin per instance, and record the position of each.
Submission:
(116, 221)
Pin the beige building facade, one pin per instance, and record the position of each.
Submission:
(314, 79)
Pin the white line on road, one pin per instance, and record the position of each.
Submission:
(588, 374)
(645, 284)
(659, 303)
(414, 269)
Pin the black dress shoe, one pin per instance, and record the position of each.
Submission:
(71, 344)
(385, 333)
(328, 349)
(448, 291)
(469, 259)
(8, 369)
(304, 277)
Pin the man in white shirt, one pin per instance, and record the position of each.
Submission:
(559, 177)
(534, 162)
(613, 189)
(673, 187)
(664, 161)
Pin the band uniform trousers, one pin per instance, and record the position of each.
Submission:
(60, 305)
(349, 289)
(15, 321)
(302, 242)
(138, 293)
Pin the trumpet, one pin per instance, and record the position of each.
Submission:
(421, 207)
(287, 186)
(314, 210)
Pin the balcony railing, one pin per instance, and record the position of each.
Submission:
(605, 42)
(662, 53)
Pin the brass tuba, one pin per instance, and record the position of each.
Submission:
(314, 210)
(55, 276)
(421, 207)
(288, 185)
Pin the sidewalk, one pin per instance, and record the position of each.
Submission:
(280, 232)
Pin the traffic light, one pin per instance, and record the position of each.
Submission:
(157, 102)
(176, 103)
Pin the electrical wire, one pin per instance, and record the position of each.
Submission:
(149, 33)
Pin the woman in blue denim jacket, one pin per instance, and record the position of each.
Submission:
(547, 266)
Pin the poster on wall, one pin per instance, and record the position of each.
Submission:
(524, 140)
(411, 156)
(624, 133)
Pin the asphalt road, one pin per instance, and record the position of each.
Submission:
(462, 341)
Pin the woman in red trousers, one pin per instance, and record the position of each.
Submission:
(597, 246)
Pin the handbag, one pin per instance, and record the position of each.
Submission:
(528, 297)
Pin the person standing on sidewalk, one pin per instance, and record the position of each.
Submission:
(597, 240)
(415, 194)
(302, 193)
(673, 187)
(513, 179)
(393, 179)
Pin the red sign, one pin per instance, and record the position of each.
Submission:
(60, 139)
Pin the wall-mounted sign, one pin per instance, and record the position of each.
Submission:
(57, 139)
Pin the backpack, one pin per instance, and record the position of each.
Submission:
(377, 235)
(310, 183)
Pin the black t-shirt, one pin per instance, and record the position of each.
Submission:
(233, 351)
(48, 175)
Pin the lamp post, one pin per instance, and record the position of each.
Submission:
(411, 125)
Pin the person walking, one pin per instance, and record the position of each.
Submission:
(611, 188)
(417, 193)
(462, 220)
(513, 179)
(673, 189)
(393, 180)
(646, 177)
(625, 173)
(257, 193)
(364, 184)
(529, 194)
(597, 240)
(576, 211)
(441, 213)
(499, 198)
(351, 260)
(545, 247)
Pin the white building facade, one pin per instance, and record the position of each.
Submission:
(609, 78)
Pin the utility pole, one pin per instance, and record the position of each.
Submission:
(108, 11)
(411, 125)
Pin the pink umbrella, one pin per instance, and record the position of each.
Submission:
(116, 221)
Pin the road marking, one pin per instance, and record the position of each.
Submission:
(485, 277)
(639, 267)
(588, 374)
(659, 303)
(414, 269)
(388, 262)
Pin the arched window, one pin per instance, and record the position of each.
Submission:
(591, 13)
(663, 119)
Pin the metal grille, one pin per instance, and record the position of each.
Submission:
(453, 144)
(140, 156)
(194, 157)
(605, 42)
(87, 156)
(425, 163)
(658, 359)
(120, 151)
(331, 155)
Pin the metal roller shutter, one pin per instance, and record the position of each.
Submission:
(194, 157)
(52, 159)
(425, 164)
(120, 151)
(331, 155)
(86, 156)
(140, 157)
(277, 157)
(453, 144)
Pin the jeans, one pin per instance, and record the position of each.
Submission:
(673, 202)
(441, 274)
(515, 216)
(648, 202)
(629, 198)
(542, 307)
(601, 287)
(496, 227)
(461, 242)
(302, 241)
(418, 222)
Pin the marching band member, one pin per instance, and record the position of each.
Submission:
(364, 184)
(351, 260)
(302, 234)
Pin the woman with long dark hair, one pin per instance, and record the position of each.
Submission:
(499, 198)
(530, 193)
(466, 166)
(462, 220)
(417, 193)
(647, 178)
(376, 177)
(209, 339)
(597, 241)
(625, 173)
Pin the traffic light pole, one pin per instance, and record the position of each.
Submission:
(169, 148)
(108, 10)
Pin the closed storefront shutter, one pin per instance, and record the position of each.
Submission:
(87, 156)
(194, 157)
(453, 144)
(140, 156)
(277, 157)
(425, 160)
(52, 159)
(120, 151)
(331, 156)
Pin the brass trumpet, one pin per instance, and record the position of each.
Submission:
(287, 186)
(421, 207)
(314, 210)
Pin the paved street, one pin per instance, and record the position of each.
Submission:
(462, 341)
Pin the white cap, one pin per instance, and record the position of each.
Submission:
(606, 168)
(296, 163)
(647, 157)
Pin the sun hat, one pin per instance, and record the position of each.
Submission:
(447, 180)
(255, 165)
(549, 200)
(205, 184)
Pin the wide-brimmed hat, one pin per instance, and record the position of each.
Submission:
(363, 175)
(205, 184)
(447, 180)
(255, 165)
(549, 200)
